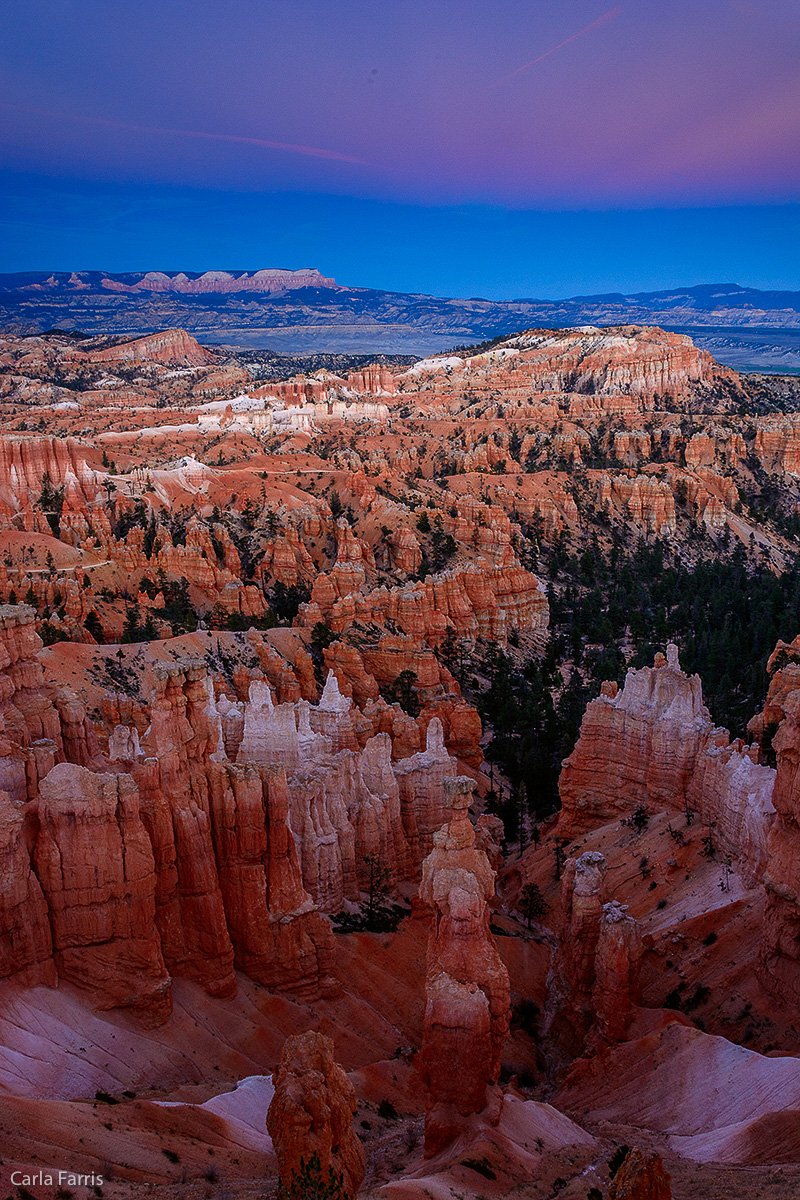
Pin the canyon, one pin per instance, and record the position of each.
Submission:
(285, 668)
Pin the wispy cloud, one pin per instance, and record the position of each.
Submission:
(606, 17)
(261, 143)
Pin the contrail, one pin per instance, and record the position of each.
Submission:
(609, 16)
(286, 147)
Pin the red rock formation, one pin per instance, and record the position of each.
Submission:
(77, 734)
(279, 939)
(636, 748)
(623, 359)
(473, 600)
(40, 724)
(176, 812)
(24, 463)
(346, 807)
(312, 1113)
(616, 989)
(406, 553)
(352, 676)
(731, 791)
(647, 501)
(780, 947)
(174, 346)
(653, 745)
(777, 444)
(462, 729)
(95, 865)
(286, 559)
(631, 447)
(467, 990)
(26, 949)
(783, 669)
(374, 379)
(25, 706)
(594, 985)
(575, 968)
(490, 835)
(641, 1177)
(424, 803)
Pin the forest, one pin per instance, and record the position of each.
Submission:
(613, 608)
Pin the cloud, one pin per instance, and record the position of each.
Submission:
(262, 143)
(606, 17)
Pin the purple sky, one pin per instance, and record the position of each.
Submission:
(525, 104)
(679, 102)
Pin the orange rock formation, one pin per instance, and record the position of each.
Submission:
(466, 989)
(312, 1113)
(654, 745)
(641, 1177)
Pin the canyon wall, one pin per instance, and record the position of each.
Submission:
(653, 745)
(779, 724)
(208, 842)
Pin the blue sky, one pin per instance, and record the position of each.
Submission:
(526, 147)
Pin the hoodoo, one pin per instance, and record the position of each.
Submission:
(312, 1114)
(467, 1000)
(595, 977)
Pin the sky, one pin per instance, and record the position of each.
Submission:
(515, 148)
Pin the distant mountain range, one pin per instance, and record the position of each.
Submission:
(304, 312)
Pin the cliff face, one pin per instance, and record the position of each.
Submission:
(653, 745)
(174, 346)
(278, 937)
(473, 601)
(466, 989)
(26, 945)
(649, 502)
(176, 811)
(24, 464)
(628, 361)
(40, 723)
(205, 864)
(732, 791)
(636, 747)
(780, 956)
(95, 865)
(641, 360)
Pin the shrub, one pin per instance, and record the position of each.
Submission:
(309, 1183)
(638, 819)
